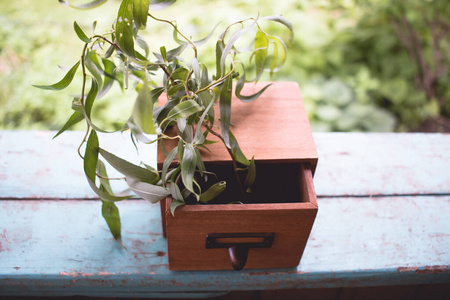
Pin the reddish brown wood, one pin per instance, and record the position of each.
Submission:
(291, 223)
(274, 127)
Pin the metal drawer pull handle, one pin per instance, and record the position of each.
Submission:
(238, 244)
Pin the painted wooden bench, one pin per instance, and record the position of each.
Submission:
(383, 220)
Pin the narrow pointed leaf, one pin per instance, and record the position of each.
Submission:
(206, 38)
(108, 78)
(219, 51)
(261, 45)
(251, 97)
(140, 13)
(175, 192)
(90, 167)
(74, 119)
(124, 28)
(91, 156)
(184, 110)
(104, 181)
(225, 109)
(231, 42)
(140, 41)
(147, 191)
(280, 19)
(128, 169)
(64, 82)
(93, 65)
(143, 111)
(239, 156)
(166, 165)
(80, 33)
(199, 137)
(188, 165)
(200, 164)
(215, 190)
(251, 173)
(90, 98)
(175, 204)
(110, 213)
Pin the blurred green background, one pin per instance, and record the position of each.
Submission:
(361, 65)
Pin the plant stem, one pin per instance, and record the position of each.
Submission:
(179, 32)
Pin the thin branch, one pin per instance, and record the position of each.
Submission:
(179, 32)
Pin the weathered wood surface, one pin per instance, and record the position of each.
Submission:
(34, 166)
(384, 202)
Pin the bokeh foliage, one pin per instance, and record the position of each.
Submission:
(355, 71)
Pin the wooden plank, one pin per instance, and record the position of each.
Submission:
(34, 166)
(64, 248)
(382, 164)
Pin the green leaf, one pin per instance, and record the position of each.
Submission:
(240, 85)
(231, 42)
(251, 173)
(225, 109)
(90, 98)
(64, 82)
(93, 65)
(74, 119)
(175, 204)
(200, 164)
(110, 213)
(124, 28)
(83, 37)
(215, 190)
(180, 74)
(166, 165)
(161, 4)
(279, 53)
(90, 167)
(237, 152)
(91, 156)
(184, 110)
(219, 51)
(83, 6)
(163, 53)
(175, 192)
(104, 181)
(143, 111)
(199, 137)
(128, 169)
(261, 45)
(188, 165)
(149, 192)
(172, 54)
(280, 19)
(141, 42)
(140, 13)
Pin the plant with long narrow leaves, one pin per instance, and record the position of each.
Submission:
(190, 98)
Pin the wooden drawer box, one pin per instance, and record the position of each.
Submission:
(275, 129)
